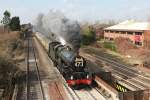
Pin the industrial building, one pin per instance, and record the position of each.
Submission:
(137, 32)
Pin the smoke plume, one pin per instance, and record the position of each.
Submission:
(56, 26)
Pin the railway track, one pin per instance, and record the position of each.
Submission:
(124, 67)
(35, 89)
(126, 83)
(139, 84)
(128, 75)
(128, 72)
(61, 91)
(89, 93)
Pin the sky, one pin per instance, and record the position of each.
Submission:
(81, 10)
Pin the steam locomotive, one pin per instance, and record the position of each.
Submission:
(69, 63)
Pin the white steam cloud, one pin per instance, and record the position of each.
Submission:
(57, 27)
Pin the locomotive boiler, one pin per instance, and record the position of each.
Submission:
(69, 63)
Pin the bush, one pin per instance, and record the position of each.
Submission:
(86, 39)
(16, 44)
(110, 45)
(123, 45)
(15, 24)
(88, 35)
(7, 68)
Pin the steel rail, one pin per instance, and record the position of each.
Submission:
(28, 84)
(38, 72)
(31, 48)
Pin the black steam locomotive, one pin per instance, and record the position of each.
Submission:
(70, 64)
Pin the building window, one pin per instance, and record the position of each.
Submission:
(107, 31)
(111, 39)
(122, 32)
(138, 43)
(111, 31)
(106, 38)
(130, 33)
(138, 33)
(117, 31)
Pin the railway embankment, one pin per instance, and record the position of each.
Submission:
(11, 57)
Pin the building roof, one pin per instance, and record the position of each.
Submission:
(130, 25)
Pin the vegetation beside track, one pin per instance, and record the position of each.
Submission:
(11, 54)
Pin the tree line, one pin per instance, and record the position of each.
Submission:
(9, 23)
(93, 32)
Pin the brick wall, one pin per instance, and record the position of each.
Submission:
(115, 34)
(147, 39)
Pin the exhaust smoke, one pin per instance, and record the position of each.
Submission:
(57, 27)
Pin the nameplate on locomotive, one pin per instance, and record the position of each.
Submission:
(79, 62)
